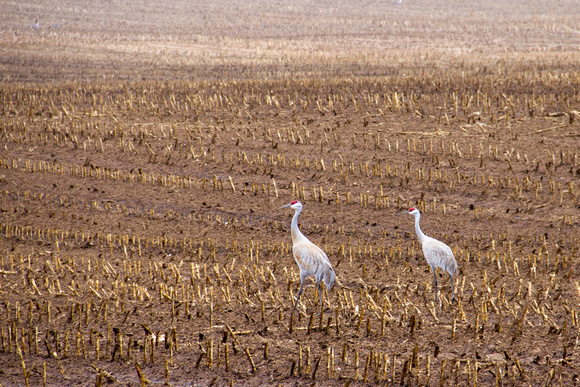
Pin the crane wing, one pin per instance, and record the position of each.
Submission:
(310, 256)
(438, 254)
(313, 261)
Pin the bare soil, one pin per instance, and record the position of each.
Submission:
(146, 150)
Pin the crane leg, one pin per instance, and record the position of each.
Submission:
(298, 296)
(320, 296)
(452, 290)
(435, 277)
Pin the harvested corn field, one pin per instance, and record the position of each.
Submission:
(143, 165)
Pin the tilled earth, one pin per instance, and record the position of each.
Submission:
(142, 238)
(155, 237)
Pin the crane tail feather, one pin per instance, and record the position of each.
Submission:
(329, 279)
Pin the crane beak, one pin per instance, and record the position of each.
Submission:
(287, 205)
(403, 213)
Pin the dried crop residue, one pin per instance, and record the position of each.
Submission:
(142, 238)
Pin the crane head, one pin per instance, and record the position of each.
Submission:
(295, 205)
(412, 211)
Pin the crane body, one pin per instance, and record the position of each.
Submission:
(437, 253)
(310, 258)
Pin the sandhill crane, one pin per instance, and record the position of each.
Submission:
(310, 258)
(437, 253)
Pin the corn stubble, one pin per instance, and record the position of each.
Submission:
(140, 236)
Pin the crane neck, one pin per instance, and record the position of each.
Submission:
(420, 235)
(295, 231)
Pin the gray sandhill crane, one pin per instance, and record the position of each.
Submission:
(437, 253)
(310, 258)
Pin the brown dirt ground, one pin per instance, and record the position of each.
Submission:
(140, 190)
